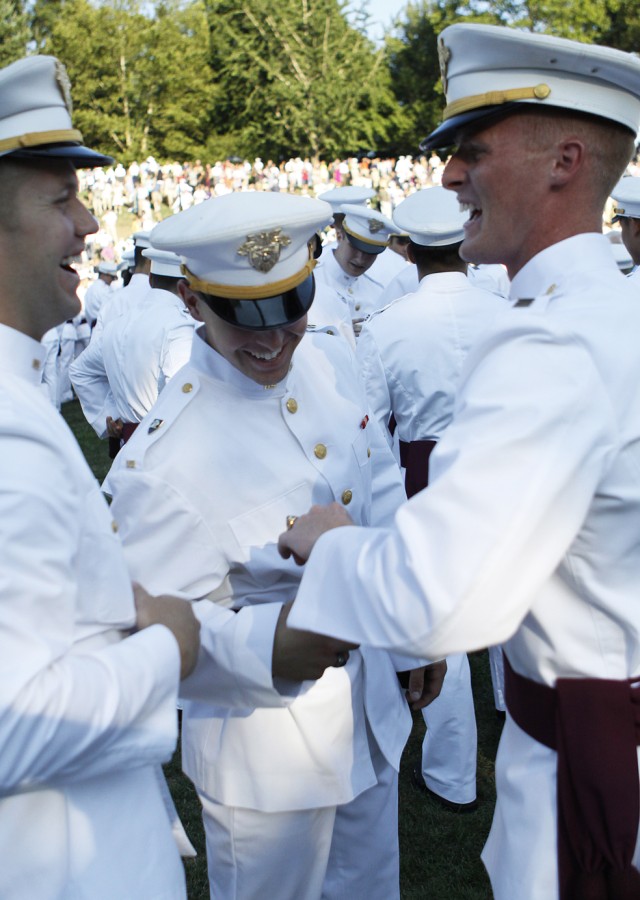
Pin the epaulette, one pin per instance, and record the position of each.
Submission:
(540, 302)
(165, 414)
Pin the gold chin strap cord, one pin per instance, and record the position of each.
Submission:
(38, 138)
(496, 98)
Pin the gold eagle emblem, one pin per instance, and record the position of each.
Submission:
(263, 248)
(64, 84)
(444, 55)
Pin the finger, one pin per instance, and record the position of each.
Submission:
(416, 683)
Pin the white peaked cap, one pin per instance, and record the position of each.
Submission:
(488, 70)
(431, 217)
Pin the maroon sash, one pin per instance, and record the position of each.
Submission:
(127, 430)
(414, 458)
(594, 726)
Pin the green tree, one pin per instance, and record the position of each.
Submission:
(412, 57)
(295, 78)
(140, 81)
(176, 82)
(15, 33)
(411, 45)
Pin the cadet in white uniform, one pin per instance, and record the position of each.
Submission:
(100, 290)
(300, 798)
(627, 212)
(529, 530)
(87, 712)
(411, 354)
(140, 350)
(363, 234)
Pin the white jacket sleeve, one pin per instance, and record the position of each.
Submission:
(76, 700)
(158, 527)
(91, 384)
(512, 480)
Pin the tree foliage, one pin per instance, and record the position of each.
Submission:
(214, 78)
(140, 83)
(14, 32)
(295, 76)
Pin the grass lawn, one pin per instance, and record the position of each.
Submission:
(440, 851)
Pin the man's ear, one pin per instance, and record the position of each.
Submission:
(190, 299)
(567, 161)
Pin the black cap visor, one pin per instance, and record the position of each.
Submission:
(268, 312)
(445, 135)
(363, 246)
(81, 157)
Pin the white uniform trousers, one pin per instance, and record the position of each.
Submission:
(365, 855)
(450, 746)
(333, 853)
(254, 855)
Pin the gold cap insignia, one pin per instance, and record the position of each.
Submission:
(64, 84)
(375, 226)
(444, 55)
(263, 249)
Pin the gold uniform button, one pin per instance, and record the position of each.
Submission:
(358, 305)
(368, 452)
(292, 405)
(329, 331)
(187, 388)
(347, 497)
(320, 451)
(114, 527)
(131, 464)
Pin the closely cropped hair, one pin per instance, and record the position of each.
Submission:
(164, 282)
(10, 174)
(439, 257)
(610, 144)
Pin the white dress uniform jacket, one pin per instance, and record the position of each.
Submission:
(97, 294)
(387, 265)
(411, 353)
(84, 716)
(129, 362)
(329, 312)
(201, 493)
(492, 278)
(360, 293)
(122, 300)
(529, 532)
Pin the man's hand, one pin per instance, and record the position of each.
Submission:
(114, 427)
(302, 655)
(177, 615)
(305, 530)
(425, 684)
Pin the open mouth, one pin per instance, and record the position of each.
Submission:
(265, 357)
(68, 264)
(474, 212)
